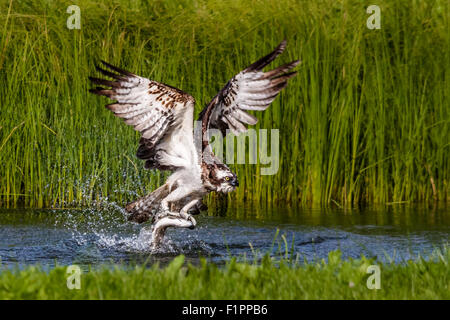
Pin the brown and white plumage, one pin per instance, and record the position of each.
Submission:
(164, 117)
(158, 111)
(251, 89)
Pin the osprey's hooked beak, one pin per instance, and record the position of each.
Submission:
(234, 182)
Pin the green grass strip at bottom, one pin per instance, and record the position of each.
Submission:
(335, 279)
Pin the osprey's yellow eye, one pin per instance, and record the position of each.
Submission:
(227, 178)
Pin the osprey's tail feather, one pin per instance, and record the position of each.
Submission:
(145, 207)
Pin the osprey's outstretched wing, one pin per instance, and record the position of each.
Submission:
(161, 113)
(251, 89)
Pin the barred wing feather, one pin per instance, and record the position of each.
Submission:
(251, 89)
(158, 111)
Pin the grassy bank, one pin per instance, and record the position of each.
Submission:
(336, 279)
(365, 121)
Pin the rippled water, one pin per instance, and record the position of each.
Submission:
(93, 237)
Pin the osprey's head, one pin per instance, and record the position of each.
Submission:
(222, 178)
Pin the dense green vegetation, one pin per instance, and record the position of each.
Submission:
(365, 120)
(335, 279)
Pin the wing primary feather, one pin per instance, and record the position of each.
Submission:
(230, 125)
(264, 102)
(122, 107)
(253, 107)
(102, 92)
(264, 61)
(236, 125)
(270, 93)
(245, 117)
(104, 82)
(109, 74)
(121, 71)
(130, 114)
(280, 70)
(282, 78)
(277, 87)
(265, 94)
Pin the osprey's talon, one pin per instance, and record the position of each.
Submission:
(192, 220)
(164, 209)
(166, 212)
(188, 217)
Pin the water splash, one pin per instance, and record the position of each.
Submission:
(108, 229)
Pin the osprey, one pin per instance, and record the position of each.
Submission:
(164, 117)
